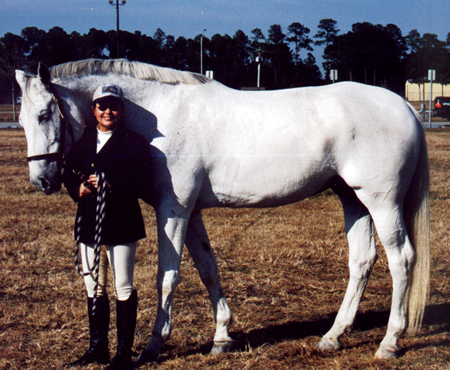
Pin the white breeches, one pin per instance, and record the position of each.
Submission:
(121, 259)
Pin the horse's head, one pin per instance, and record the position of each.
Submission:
(47, 128)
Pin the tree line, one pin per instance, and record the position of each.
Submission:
(368, 53)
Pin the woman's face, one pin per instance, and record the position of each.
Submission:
(107, 111)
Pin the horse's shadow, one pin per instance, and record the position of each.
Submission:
(435, 315)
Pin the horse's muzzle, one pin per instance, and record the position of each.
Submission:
(46, 186)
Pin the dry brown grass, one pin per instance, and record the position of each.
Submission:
(284, 272)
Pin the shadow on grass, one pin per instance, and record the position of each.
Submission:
(438, 315)
(435, 315)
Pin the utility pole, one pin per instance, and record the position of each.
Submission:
(116, 4)
(201, 52)
(431, 77)
(333, 75)
(258, 61)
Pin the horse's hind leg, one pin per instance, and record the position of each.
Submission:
(197, 243)
(399, 250)
(362, 257)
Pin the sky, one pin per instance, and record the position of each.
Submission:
(189, 18)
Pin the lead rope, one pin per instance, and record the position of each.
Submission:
(99, 216)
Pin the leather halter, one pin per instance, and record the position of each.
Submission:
(65, 125)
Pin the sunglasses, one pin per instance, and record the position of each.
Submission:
(113, 105)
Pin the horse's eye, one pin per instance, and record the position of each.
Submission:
(43, 117)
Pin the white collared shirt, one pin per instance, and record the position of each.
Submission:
(102, 138)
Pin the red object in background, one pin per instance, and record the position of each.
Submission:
(438, 104)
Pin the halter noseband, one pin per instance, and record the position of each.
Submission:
(65, 125)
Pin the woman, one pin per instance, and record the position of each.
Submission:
(124, 158)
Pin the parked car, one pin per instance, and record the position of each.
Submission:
(442, 107)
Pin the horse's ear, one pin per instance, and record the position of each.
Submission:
(44, 74)
(21, 78)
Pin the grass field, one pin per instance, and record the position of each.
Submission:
(283, 270)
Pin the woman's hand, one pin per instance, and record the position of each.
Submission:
(84, 191)
(87, 186)
(93, 181)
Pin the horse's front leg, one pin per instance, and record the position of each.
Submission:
(171, 235)
(197, 242)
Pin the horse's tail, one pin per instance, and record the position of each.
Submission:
(417, 218)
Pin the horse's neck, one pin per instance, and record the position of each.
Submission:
(77, 100)
(136, 115)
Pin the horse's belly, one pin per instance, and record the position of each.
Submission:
(268, 183)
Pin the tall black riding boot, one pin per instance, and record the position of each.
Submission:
(98, 331)
(126, 325)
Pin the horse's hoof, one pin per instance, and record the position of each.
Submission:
(148, 355)
(221, 347)
(328, 345)
(387, 353)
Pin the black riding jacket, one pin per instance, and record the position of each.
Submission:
(125, 160)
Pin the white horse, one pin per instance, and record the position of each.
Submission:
(218, 147)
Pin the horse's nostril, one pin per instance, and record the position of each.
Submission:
(45, 184)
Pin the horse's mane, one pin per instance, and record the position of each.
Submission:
(138, 70)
